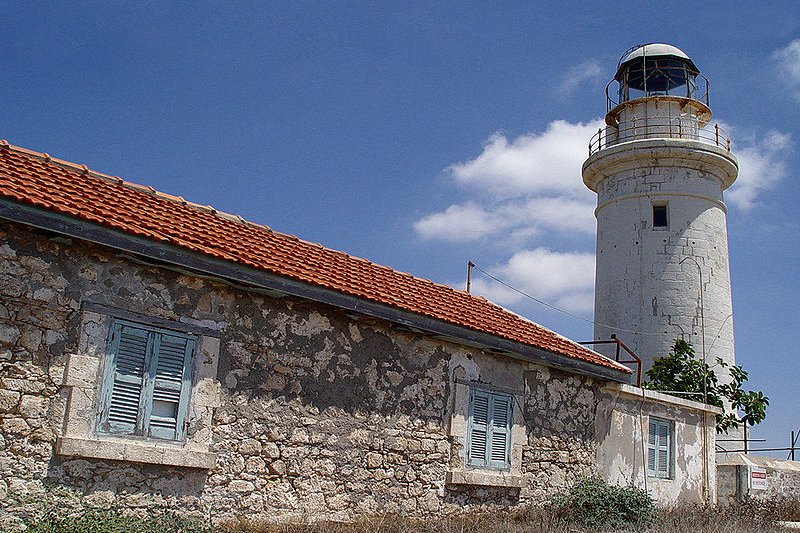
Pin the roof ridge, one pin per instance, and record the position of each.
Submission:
(147, 189)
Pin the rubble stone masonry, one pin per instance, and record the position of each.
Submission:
(315, 412)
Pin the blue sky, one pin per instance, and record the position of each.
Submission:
(421, 135)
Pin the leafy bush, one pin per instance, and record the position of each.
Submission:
(594, 504)
(112, 521)
(682, 371)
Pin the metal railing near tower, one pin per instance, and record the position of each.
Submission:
(659, 128)
(620, 347)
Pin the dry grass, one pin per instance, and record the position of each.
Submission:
(463, 523)
(749, 517)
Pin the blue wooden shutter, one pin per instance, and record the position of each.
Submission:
(658, 448)
(130, 347)
(170, 371)
(663, 450)
(147, 387)
(500, 430)
(652, 447)
(478, 428)
(489, 429)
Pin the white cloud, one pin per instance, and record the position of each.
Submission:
(459, 223)
(517, 220)
(526, 189)
(762, 165)
(588, 71)
(525, 186)
(789, 63)
(543, 163)
(527, 192)
(563, 279)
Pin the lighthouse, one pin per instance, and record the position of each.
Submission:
(659, 168)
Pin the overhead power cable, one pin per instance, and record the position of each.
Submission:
(551, 306)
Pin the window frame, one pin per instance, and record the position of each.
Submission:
(144, 426)
(665, 207)
(494, 401)
(82, 380)
(654, 448)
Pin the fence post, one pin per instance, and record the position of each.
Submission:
(745, 438)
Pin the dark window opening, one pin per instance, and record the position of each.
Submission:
(659, 216)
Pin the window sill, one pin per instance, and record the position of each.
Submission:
(136, 452)
(659, 478)
(486, 478)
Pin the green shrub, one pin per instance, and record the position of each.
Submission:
(112, 521)
(594, 504)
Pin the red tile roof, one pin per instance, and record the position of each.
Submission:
(37, 179)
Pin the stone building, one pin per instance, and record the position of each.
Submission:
(155, 353)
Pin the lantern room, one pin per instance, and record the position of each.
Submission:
(656, 70)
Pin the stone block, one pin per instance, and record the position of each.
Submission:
(374, 460)
(9, 400)
(33, 406)
(82, 371)
(271, 450)
(250, 447)
(207, 393)
(9, 334)
(29, 386)
(277, 467)
(15, 426)
(79, 468)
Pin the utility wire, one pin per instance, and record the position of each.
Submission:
(551, 306)
(526, 295)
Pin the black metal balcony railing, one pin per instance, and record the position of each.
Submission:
(659, 128)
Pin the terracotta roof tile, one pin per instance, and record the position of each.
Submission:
(39, 180)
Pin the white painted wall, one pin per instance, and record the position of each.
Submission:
(622, 425)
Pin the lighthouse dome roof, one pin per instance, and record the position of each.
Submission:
(653, 50)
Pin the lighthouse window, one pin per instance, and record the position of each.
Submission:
(660, 216)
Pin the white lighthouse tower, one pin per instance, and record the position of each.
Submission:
(659, 168)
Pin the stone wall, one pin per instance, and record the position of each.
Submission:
(783, 478)
(320, 412)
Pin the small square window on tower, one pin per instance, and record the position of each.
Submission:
(660, 216)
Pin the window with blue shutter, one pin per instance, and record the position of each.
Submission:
(659, 448)
(147, 383)
(489, 429)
